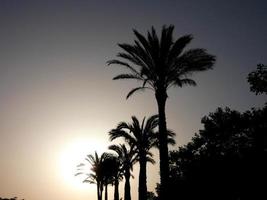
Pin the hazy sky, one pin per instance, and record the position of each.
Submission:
(57, 97)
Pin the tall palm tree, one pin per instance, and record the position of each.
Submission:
(127, 158)
(141, 138)
(160, 63)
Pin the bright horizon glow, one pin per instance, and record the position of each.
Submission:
(73, 154)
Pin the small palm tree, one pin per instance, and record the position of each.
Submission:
(111, 174)
(95, 174)
(104, 170)
(127, 158)
(140, 137)
(160, 63)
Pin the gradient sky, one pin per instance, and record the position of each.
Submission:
(57, 97)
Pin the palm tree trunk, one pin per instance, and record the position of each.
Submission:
(116, 189)
(161, 98)
(98, 196)
(99, 191)
(127, 187)
(106, 191)
(142, 179)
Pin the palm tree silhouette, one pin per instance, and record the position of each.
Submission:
(141, 137)
(95, 176)
(104, 170)
(127, 157)
(160, 63)
(111, 173)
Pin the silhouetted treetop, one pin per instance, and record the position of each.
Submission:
(258, 79)
(225, 160)
(161, 62)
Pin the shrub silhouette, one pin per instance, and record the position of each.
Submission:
(225, 160)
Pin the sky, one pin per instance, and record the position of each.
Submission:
(57, 97)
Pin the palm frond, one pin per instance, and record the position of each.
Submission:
(143, 53)
(166, 41)
(178, 47)
(136, 127)
(116, 133)
(89, 181)
(194, 60)
(150, 74)
(79, 173)
(135, 90)
(118, 62)
(149, 154)
(80, 165)
(182, 82)
(171, 133)
(152, 122)
(132, 57)
(135, 159)
(143, 40)
(170, 139)
(150, 160)
(136, 54)
(153, 40)
(128, 76)
(91, 159)
(187, 81)
(117, 149)
(123, 125)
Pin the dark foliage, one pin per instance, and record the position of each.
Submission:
(225, 160)
(258, 80)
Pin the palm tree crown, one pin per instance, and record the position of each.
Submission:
(126, 156)
(141, 137)
(161, 62)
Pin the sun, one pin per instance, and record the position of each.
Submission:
(73, 154)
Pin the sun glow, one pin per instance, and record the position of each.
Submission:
(73, 154)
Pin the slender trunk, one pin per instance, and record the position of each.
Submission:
(116, 189)
(127, 187)
(106, 191)
(161, 97)
(142, 179)
(99, 190)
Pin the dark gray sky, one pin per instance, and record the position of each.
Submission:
(57, 92)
